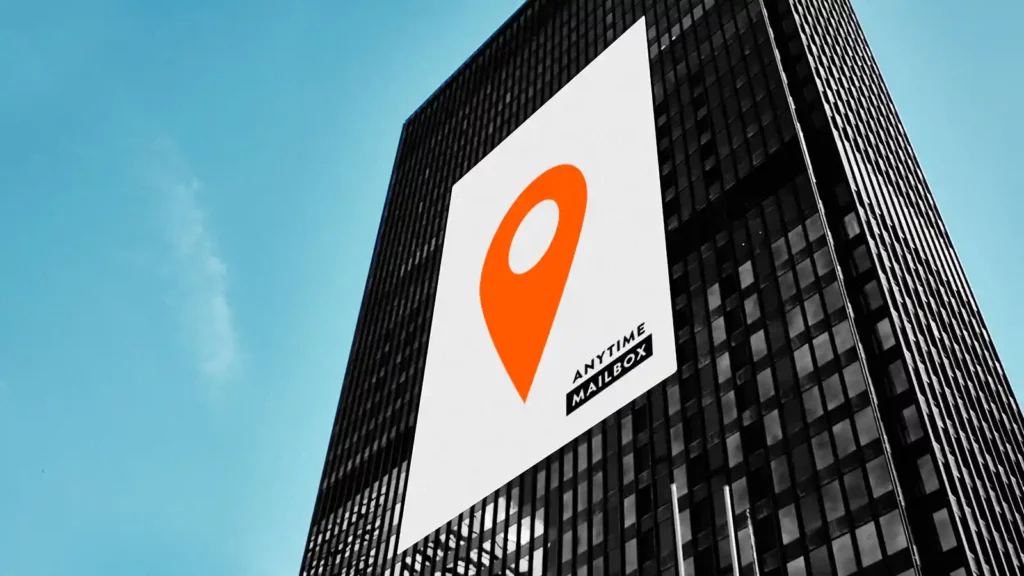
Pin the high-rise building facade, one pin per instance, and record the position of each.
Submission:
(833, 369)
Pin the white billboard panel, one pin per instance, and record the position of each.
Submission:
(553, 307)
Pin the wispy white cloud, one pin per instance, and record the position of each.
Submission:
(204, 277)
(200, 274)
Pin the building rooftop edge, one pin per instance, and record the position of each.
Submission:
(468, 59)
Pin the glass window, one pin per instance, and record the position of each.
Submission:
(627, 468)
(854, 378)
(795, 322)
(718, 331)
(743, 542)
(872, 295)
(793, 415)
(804, 366)
(780, 473)
(724, 368)
(855, 490)
(724, 557)
(823, 456)
(822, 348)
(711, 419)
(833, 498)
(787, 285)
(883, 330)
(746, 275)
(684, 526)
(679, 477)
(802, 462)
(861, 259)
(677, 270)
(833, 297)
(814, 228)
(823, 261)
(795, 568)
(673, 407)
(842, 549)
(740, 498)
(897, 377)
(878, 475)
(728, 408)
(892, 532)
(788, 523)
(752, 309)
(867, 543)
(779, 251)
(758, 345)
(735, 449)
(676, 437)
(844, 438)
(629, 510)
(631, 556)
(805, 273)
(929, 480)
(811, 512)
(867, 429)
(814, 311)
(819, 562)
(844, 337)
(772, 427)
(812, 404)
(765, 385)
(852, 225)
(947, 539)
(796, 239)
(833, 392)
(912, 429)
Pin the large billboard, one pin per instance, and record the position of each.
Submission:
(553, 307)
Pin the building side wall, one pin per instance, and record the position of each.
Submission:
(945, 397)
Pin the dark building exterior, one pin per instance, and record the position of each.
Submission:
(834, 369)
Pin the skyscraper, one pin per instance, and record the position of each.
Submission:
(833, 370)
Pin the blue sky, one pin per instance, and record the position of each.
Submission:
(189, 193)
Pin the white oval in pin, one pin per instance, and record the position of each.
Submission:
(534, 236)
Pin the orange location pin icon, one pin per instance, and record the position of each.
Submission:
(519, 308)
